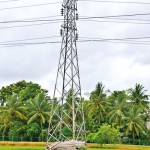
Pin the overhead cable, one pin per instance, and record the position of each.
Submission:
(82, 37)
(29, 25)
(142, 23)
(114, 16)
(120, 2)
(80, 41)
(81, 18)
(28, 39)
(8, 1)
(35, 19)
(34, 5)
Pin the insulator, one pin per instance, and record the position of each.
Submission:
(61, 32)
(77, 16)
(77, 36)
(62, 11)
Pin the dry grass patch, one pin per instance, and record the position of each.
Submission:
(22, 143)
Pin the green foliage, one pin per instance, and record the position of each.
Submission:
(16, 131)
(82, 148)
(91, 137)
(33, 130)
(66, 132)
(98, 104)
(25, 108)
(14, 107)
(13, 110)
(119, 108)
(105, 135)
(39, 109)
(25, 90)
(138, 97)
(134, 123)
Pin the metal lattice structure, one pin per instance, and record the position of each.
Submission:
(67, 117)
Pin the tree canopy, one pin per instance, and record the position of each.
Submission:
(109, 116)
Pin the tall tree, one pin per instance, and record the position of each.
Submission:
(12, 111)
(25, 90)
(39, 109)
(134, 123)
(138, 97)
(98, 103)
(119, 107)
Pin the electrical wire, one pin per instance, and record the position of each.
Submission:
(127, 38)
(114, 16)
(29, 25)
(9, 1)
(119, 2)
(96, 38)
(59, 21)
(30, 19)
(123, 40)
(117, 18)
(142, 23)
(91, 18)
(29, 39)
(29, 44)
(38, 19)
(34, 5)
(26, 21)
(81, 18)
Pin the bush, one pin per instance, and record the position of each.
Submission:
(105, 135)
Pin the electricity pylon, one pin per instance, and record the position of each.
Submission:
(67, 117)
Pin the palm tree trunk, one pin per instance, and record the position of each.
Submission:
(99, 118)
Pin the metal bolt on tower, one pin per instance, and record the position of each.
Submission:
(67, 126)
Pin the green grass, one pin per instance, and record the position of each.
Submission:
(106, 147)
(21, 148)
(33, 148)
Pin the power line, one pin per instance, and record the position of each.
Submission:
(32, 43)
(29, 25)
(28, 39)
(52, 21)
(38, 19)
(81, 18)
(35, 5)
(124, 42)
(9, 1)
(146, 23)
(80, 41)
(31, 19)
(127, 38)
(124, 2)
(90, 18)
(114, 16)
(25, 21)
(95, 38)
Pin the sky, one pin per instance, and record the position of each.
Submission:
(119, 66)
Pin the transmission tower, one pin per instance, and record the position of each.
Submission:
(67, 117)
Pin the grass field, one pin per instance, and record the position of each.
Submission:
(43, 148)
(40, 146)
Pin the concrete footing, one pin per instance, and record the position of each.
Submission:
(66, 145)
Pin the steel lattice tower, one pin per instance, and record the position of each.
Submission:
(67, 116)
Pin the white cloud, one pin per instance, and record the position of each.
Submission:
(118, 65)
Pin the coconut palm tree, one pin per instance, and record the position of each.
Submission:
(98, 102)
(39, 109)
(134, 123)
(138, 97)
(12, 111)
(119, 107)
